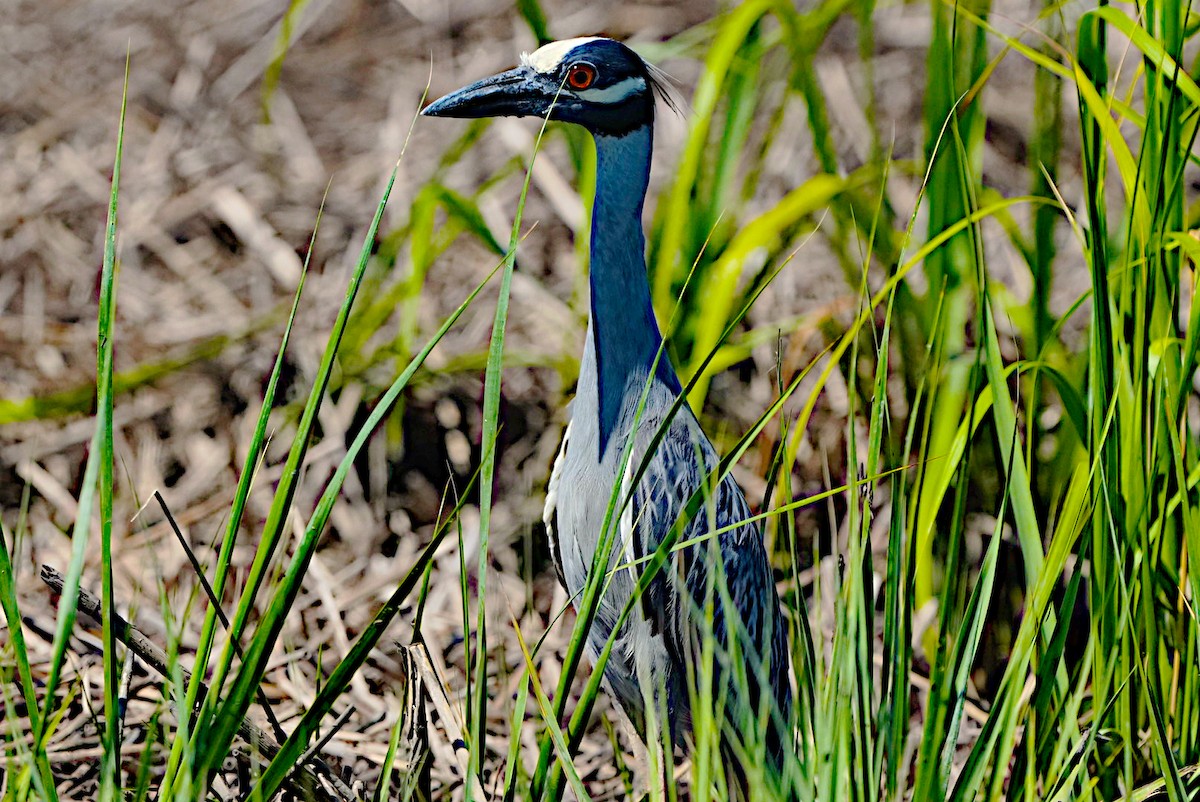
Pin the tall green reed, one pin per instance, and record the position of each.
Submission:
(1098, 696)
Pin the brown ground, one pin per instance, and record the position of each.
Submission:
(217, 209)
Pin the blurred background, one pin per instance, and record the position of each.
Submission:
(233, 145)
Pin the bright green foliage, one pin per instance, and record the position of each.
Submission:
(1081, 457)
(758, 60)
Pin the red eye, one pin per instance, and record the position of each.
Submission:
(581, 76)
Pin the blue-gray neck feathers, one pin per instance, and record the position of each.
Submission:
(627, 337)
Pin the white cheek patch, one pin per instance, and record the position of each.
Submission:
(615, 93)
(547, 57)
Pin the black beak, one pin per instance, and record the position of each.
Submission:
(516, 93)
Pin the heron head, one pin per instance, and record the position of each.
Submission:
(595, 82)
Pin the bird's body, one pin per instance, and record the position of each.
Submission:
(719, 589)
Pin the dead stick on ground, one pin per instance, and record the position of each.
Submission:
(310, 777)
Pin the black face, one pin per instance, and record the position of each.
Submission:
(598, 83)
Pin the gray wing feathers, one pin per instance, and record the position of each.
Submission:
(728, 564)
(550, 508)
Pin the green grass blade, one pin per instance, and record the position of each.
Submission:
(215, 732)
(290, 750)
(254, 453)
(241, 693)
(491, 418)
(111, 743)
(20, 654)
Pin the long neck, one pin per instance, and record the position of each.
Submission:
(626, 335)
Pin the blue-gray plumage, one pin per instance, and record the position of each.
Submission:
(605, 87)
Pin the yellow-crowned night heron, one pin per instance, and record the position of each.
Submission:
(719, 589)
